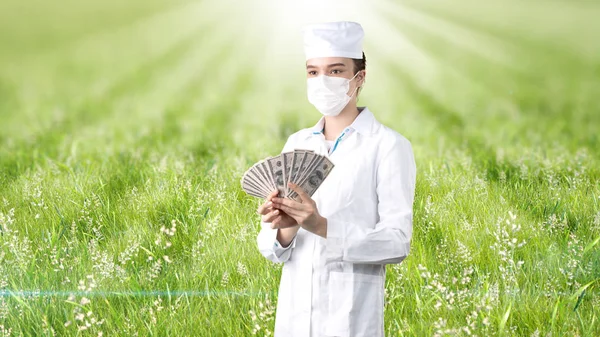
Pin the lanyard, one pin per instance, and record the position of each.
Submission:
(346, 131)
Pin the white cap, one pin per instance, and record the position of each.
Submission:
(333, 39)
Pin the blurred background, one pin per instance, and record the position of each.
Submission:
(125, 127)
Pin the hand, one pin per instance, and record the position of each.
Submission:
(276, 217)
(305, 213)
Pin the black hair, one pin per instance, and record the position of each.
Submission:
(360, 64)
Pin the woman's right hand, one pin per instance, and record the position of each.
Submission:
(277, 218)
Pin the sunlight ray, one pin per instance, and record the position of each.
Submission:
(143, 32)
(453, 75)
(119, 125)
(52, 41)
(117, 57)
(492, 49)
(397, 48)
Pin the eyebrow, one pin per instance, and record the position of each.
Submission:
(328, 66)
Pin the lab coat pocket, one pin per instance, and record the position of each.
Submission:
(355, 305)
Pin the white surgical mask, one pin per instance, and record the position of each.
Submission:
(329, 94)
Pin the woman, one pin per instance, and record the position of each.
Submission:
(335, 245)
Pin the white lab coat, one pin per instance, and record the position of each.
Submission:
(334, 286)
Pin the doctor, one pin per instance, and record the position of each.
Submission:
(335, 245)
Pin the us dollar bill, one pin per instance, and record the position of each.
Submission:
(277, 167)
(288, 158)
(264, 176)
(250, 181)
(317, 174)
(304, 167)
(299, 156)
(265, 167)
(259, 179)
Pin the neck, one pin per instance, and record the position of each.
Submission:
(334, 125)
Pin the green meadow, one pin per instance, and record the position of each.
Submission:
(125, 128)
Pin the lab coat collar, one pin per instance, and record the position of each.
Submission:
(365, 123)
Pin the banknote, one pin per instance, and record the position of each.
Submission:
(289, 163)
(278, 167)
(302, 167)
(310, 157)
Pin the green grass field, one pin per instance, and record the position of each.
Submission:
(125, 127)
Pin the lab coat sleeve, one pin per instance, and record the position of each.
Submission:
(267, 242)
(389, 241)
(270, 248)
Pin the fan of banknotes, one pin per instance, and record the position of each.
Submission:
(304, 168)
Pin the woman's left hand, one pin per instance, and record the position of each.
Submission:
(305, 212)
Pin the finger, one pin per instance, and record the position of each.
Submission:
(264, 208)
(272, 195)
(276, 222)
(290, 211)
(303, 195)
(287, 202)
(261, 208)
(270, 216)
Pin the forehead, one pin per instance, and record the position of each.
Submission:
(324, 62)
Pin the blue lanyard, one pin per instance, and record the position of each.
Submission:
(337, 141)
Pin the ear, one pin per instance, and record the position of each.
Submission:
(362, 77)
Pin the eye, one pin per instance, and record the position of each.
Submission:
(312, 72)
(336, 71)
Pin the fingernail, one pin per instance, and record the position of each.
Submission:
(269, 203)
(276, 211)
